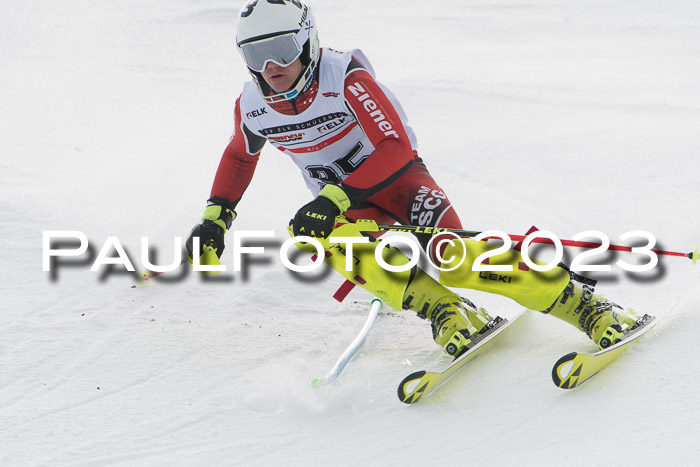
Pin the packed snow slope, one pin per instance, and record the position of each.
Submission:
(570, 116)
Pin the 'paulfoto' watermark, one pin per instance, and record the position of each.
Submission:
(481, 262)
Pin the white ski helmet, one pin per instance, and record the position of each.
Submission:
(278, 31)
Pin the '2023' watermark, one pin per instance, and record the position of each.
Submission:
(479, 263)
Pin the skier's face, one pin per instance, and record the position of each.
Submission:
(281, 78)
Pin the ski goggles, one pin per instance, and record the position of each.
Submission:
(282, 50)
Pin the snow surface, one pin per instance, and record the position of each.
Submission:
(567, 115)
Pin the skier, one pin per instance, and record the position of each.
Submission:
(350, 137)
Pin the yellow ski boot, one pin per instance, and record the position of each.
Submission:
(603, 321)
(456, 323)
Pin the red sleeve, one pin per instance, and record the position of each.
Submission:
(237, 163)
(381, 123)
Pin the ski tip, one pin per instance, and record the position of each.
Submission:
(564, 374)
(412, 388)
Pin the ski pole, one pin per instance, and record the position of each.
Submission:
(376, 305)
(208, 258)
(146, 274)
(694, 255)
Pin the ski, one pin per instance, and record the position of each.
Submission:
(421, 383)
(574, 369)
